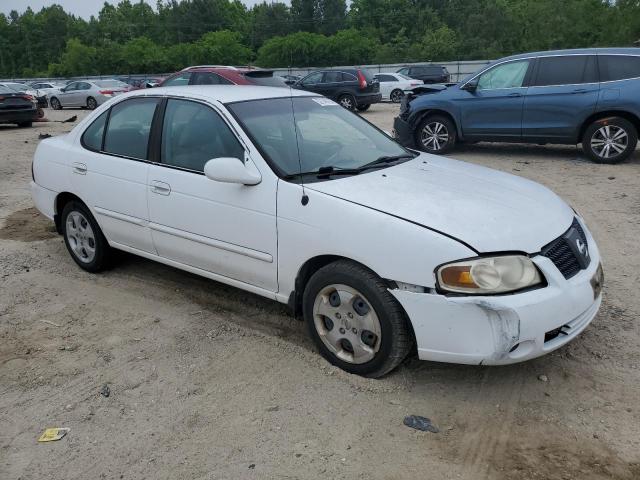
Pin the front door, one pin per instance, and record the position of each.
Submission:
(223, 228)
(111, 174)
(68, 96)
(312, 82)
(493, 111)
(563, 93)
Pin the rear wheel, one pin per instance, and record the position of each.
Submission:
(610, 140)
(84, 239)
(354, 320)
(91, 103)
(396, 96)
(436, 134)
(55, 104)
(347, 101)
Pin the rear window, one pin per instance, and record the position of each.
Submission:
(266, 79)
(4, 89)
(618, 67)
(565, 70)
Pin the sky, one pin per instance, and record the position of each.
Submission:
(82, 8)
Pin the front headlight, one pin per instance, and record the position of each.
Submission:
(487, 275)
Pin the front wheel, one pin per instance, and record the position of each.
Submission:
(436, 134)
(91, 103)
(347, 101)
(84, 239)
(396, 96)
(363, 108)
(610, 140)
(55, 104)
(355, 322)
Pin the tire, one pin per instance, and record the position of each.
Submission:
(368, 332)
(91, 103)
(436, 134)
(347, 101)
(610, 140)
(55, 103)
(25, 125)
(84, 240)
(40, 113)
(396, 95)
(363, 108)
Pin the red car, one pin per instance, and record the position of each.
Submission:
(223, 75)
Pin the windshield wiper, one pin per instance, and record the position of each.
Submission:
(325, 172)
(384, 160)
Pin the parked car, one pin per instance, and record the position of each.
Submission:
(353, 88)
(40, 97)
(376, 247)
(136, 83)
(17, 107)
(45, 87)
(291, 79)
(590, 96)
(393, 85)
(223, 75)
(427, 73)
(86, 93)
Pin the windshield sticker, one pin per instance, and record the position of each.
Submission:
(325, 102)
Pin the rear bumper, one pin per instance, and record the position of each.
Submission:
(369, 99)
(18, 116)
(44, 200)
(403, 133)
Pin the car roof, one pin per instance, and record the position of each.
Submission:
(225, 93)
(578, 51)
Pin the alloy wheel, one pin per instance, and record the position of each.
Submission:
(347, 324)
(396, 96)
(81, 237)
(92, 104)
(434, 136)
(347, 102)
(609, 141)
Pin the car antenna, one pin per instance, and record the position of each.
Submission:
(305, 198)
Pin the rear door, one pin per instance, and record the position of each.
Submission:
(494, 109)
(563, 93)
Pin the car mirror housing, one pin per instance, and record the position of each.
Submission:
(471, 85)
(231, 170)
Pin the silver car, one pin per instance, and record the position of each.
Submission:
(86, 94)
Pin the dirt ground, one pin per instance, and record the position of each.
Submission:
(209, 382)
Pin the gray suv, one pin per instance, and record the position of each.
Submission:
(588, 96)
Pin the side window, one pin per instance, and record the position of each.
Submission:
(313, 79)
(507, 75)
(178, 80)
(567, 70)
(92, 136)
(618, 67)
(387, 78)
(332, 77)
(193, 134)
(84, 86)
(129, 128)
(206, 78)
(71, 87)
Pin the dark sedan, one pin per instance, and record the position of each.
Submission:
(17, 107)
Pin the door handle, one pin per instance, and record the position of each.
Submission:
(161, 188)
(579, 90)
(515, 94)
(79, 168)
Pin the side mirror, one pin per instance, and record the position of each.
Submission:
(470, 86)
(232, 170)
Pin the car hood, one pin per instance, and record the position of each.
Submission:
(488, 210)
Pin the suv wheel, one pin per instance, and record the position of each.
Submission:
(436, 134)
(354, 320)
(363, 108)
(84, 239)
(55, 104)
(347, 101)
(610, 140)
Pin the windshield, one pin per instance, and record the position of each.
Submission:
(110, 83)
(327, 134)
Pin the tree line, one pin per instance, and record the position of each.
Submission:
(132, 37)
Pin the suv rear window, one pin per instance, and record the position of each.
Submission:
(618, 67)
(566, 70)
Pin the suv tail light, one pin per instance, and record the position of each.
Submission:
(362, 81)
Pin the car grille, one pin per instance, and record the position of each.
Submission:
(561, 254)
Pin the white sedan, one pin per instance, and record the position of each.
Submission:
(393, 85)
(286, 195)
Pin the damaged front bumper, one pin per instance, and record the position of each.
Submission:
(504, 329)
